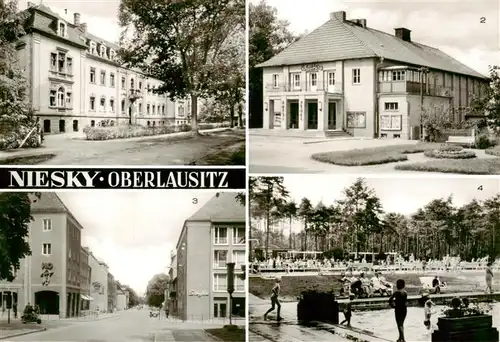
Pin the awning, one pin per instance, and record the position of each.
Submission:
(84, 297)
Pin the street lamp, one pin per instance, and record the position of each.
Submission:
(230, 288)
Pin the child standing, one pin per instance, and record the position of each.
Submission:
(274, 300)
(428, 313)
(348, 311)
(489, 278)
(398, 302)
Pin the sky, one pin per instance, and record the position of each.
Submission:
(397, 194)
(101, 16)
(133, 232)
(452, 26)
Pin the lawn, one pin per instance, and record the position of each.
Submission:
(494, 151)
(228, 333)
(292, 286)
(469, 167)
(373, 156)
(27, 160)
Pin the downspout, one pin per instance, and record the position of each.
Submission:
(376, 97)
(344, 118)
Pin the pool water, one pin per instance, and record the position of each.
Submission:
(382, 322)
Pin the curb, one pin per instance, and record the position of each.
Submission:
(24, 333)
(212, 336)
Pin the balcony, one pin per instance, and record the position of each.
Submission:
(305, 87)
(413, 88)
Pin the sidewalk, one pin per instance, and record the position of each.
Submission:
(88, 318)
(16, 328)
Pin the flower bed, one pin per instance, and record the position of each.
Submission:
(449, 152)
(122, 132)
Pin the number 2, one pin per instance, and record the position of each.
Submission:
(482, 20)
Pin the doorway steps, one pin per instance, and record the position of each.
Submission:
(332, 134)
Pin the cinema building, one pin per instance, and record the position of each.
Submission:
(76, 80)
(199, 283)
(345, 78)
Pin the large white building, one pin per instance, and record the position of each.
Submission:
(76, 80)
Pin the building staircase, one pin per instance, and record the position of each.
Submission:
(295, 133)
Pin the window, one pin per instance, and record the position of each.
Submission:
(102, 104)
(69, 65)
(62, 62)
(296, 81)
(46, 249)
(140, 108)
(53, 95)
(47, 225)
(123, 106)
(92, 75)
(103, 77)
(111, 54)
(220, 259)
(60, 97)
(314, 79)
(238, 258)
(153, 107)
(103, 51)
(68, 100)
(356, 119)
(112, 80)
(123, 82)
(220, 235)
(112, 105)
(140, 85)
(391, 105)
(62, 29)
(275, 80)
(390, 122)
(163, 110)
(239, 284)
(220, 282)
(92, 103)
(398, 75)
(132, 83)
(53, 61)
(93, 48)
(239, 236)
(149, 89)
(331, 78)
(148, 109)
(356, 76)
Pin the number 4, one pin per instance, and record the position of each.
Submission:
(480, 188)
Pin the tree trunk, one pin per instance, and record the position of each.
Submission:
(240, 115)
(194, 113)
(231, 112)
(290, 238)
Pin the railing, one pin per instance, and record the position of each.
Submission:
(413, 88)
(304, 86)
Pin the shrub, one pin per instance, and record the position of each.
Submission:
(483, 142)
(121, 132)
(450, 148)
(14, 139)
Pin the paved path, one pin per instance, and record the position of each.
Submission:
(158, 150)
(269, 154)
(128, 326)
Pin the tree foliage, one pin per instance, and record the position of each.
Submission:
(181, 43)
(155, 293)
(267, 37)
(17, 117)
(489, 104)
(357, 222)
(15, 217)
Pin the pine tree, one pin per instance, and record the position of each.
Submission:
(17, 117)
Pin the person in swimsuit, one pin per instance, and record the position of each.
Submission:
(428, 313)
(398, 302)
(348, 311)
(489, 278)
(274, 300)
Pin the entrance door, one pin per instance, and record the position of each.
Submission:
(46, 126)
(130, 115)
(312, 115)
(220, 309)
(294, 115)
(75, 125)
(332, 115)
(62, 126)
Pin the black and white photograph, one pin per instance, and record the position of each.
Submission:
(374, 86)
(128, 266)
(122, 82)
(347, 258)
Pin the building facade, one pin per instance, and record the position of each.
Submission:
(122, 297)
(346, 78)
(85, 276)
(98, 284)
(218, 230)
(111, 293)
(76, 79)
(50, 276)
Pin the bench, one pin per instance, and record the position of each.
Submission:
(463, 140)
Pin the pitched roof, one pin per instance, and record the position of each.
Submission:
(49, 202)
(340, 40)
(223, 207)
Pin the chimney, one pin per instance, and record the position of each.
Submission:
(76, 17)
(362, 22)
(83, 27)
(30, 4)
(340, 15)
(403, 33)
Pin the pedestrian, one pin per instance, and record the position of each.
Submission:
(348, 311)
(14, 308)
(398, 302)
(275, 300)
(428, 312)
(489, 278)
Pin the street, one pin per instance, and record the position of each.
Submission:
(128, 326)
(69, 150)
